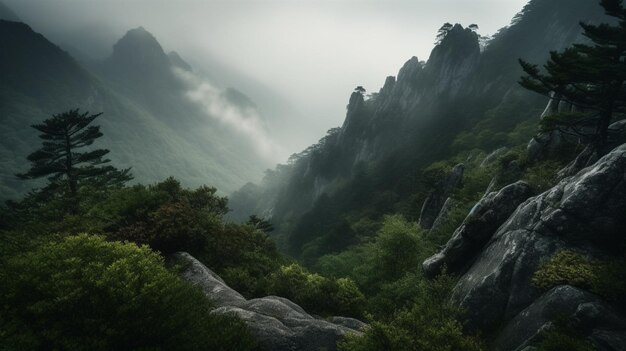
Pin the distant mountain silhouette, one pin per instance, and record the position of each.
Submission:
(148, 122)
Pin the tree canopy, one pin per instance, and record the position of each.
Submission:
(590, 77)
(58, 159)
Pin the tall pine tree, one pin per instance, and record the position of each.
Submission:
(59, 159)
(591, 77)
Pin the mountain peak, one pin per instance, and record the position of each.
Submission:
(138, 47)
(410, 70)
(7, 14)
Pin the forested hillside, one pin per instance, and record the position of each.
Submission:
(149, 122)
(476, 202)
(463, 101)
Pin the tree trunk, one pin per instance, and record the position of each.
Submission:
(73, 200)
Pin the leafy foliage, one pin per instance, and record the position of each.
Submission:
(84, 293)
(605, 277)
(315, 293)
(429, 324)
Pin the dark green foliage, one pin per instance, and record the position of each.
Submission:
(430, 323)
(564, 336)
(605, 277)
(397, 249)
(164, 216)
(169, 218)
(591, 77)
(315, 293)
(67, 168)
(260, 224)
(83, 293)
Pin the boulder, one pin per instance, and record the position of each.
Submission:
(584, 311)
(493, 156)
(443, 215)
(437, 198)
(480, 224)
(277, 323)
(211, 284)
(585, 211)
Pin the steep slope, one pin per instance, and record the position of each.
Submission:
(148, 122)
(460, 99)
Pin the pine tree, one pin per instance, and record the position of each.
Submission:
(590, 77)
(260, 224)
(67, 168)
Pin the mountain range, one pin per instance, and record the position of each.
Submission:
(465, 98)
(151, 121)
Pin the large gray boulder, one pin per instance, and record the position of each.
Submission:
(585, 211)
(480, 224)
(277, 323)
(584, 311)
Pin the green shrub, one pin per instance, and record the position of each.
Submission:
(542, 175)
(605, 277)
(84, 293)
(431, 323)
(399, 248)
(315, 293)
(566, 267)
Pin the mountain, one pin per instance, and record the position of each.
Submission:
(149, 122)
(462, 98)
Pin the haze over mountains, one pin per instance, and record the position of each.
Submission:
(152, 119)
(475, 202)
(460, 99)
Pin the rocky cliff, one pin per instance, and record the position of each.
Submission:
(388, 136)
(505, 240)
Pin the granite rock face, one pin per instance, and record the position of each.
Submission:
(588, 314)
(277, 323)
(477, 228)
(583, 212)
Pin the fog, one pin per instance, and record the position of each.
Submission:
(298, 60)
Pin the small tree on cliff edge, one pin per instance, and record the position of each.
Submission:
(67, 168)
(590, 77)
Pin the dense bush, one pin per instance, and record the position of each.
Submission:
(605, 277)
(165, 216)
(84, 293)
(431, 323)
(398, 248)
(169, 218)
(315, 293)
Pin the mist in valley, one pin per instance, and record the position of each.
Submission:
(297, 60)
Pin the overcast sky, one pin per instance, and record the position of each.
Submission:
(311, 53)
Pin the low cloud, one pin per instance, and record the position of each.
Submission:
(244, 120)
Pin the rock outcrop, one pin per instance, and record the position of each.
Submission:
(277, 323)
(437, 198)
(443, 215)
(585, 211)
(477, 228)
(583, 310)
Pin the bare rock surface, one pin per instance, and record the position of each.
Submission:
(277, 323)
(584, 212)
